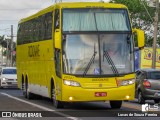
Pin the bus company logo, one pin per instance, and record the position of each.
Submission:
(33, 51)
(148, 55)
(6, 114)
(146, 107)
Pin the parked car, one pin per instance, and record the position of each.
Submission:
(8, 77)
(148, 85)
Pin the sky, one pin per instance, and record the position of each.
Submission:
(11, 11)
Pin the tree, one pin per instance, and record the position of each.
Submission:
(1, 39)
(4, 42)
(140, 17)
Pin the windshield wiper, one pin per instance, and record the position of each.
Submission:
(90, 62)
(110, 61)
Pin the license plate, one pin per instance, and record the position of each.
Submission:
(100, 94)
(13, 83)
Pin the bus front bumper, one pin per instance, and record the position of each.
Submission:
(78, 94)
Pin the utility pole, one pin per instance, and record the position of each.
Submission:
(2, 55)
(155, 35)
(11, 45)
(7, 54)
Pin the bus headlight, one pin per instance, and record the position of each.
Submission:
(71, 83)
(125, 82)
(132, 81)
(128, 82)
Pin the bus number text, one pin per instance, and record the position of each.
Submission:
(33, 51)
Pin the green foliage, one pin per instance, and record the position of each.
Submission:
(139, 14)
(5, 53)
(138, 11)
(3, 42)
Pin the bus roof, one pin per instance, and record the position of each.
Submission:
(74, 5)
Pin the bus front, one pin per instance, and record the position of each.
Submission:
(97, 55)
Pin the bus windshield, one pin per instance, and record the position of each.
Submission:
(97, 54)
(97, 42)
(95, 20)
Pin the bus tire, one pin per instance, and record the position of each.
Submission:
(116, 104)
(57, 103)
(28, 94)
(25, 90)
(23, 87)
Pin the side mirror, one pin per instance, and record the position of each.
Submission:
(57, 39)
(140, 37)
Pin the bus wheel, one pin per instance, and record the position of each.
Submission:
(116, 104)
(28, 95)
(23, 87)
(57, 104)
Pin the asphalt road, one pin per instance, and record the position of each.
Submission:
(12, 100)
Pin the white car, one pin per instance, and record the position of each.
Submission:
(8, 77)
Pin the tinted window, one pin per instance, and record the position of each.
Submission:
(57, 19)
(58, 62)
(37, 29)
(9, 71)
(154, 75)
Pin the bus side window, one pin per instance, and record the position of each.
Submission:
(19, 34)
(58, 62)
(48, 26)
(41, 27)
(56, 19)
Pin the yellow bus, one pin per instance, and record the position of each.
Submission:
(77, 52)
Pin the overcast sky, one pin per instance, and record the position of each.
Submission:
(11, 11)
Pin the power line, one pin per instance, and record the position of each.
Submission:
(147, 11)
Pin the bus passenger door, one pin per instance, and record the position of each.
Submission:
(57, 54)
